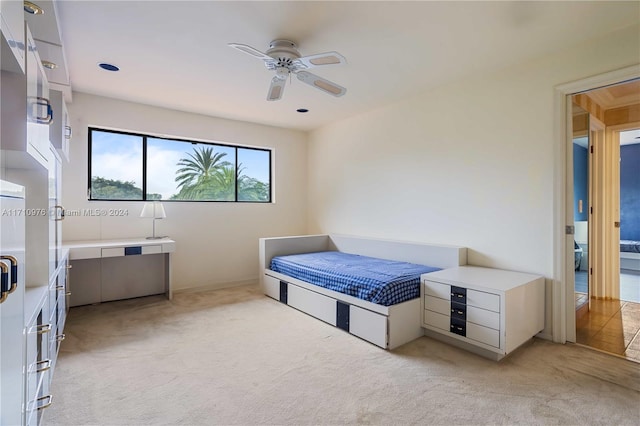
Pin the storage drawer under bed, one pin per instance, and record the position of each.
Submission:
(368, 325)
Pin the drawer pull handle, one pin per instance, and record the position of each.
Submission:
(48, 398)
(60, 337)
(37, 106)
(459, 312)
(4, 282)
(68, 293)
(58, 213)
(59, 287)
(14, 271)
(43, 328)
(46, 363)
(458, 295)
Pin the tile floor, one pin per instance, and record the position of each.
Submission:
(612, 325)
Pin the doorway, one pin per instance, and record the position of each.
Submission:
(606, 189)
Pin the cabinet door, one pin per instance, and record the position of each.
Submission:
(60, 129)
(12, 343)
(12, 27)
(56, 211)
(85, 281)
(39, 110)
(121, 277)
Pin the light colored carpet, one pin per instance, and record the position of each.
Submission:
(234, 356)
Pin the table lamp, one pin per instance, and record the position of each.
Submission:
(153, 210)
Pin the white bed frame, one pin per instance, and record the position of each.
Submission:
(384, 326)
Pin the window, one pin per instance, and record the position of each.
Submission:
(127, 166)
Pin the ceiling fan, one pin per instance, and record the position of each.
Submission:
(283, 58)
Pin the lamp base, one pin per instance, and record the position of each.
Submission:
(156, 238)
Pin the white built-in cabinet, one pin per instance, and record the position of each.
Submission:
(485, 310)
(46, 309)
(33, 323)
(12, 264)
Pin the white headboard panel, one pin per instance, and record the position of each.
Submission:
(437, 255)
(279, 246)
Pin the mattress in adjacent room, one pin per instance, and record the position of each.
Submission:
(630, 246)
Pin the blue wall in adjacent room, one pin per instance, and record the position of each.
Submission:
(629, 192)
(580, 182)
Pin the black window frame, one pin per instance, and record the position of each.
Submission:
(188, 141)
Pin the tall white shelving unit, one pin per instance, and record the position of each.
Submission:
(30, 237)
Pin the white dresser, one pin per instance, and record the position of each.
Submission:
(484, 310)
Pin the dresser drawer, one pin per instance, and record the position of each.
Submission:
(436, 304)
(483, 300)
(437, 320)
(271, 287)
(151, 249)
(113, 252)
(435, 289)
(483, 317)
(485, 335)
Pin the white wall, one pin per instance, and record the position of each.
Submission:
(217, 243)
(471, 163)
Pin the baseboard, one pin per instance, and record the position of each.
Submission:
(545, 336)
(217, 286)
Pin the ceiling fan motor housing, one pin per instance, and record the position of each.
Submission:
(284, 53)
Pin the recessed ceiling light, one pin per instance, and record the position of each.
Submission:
(33, 8)
(302, 110)
(49, 65)
(108, 67)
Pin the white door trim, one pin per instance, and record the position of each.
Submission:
(563, 305)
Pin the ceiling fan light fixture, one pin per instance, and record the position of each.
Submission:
(282, 73)
(32, 8)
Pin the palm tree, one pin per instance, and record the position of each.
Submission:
(251, 189)
(225, 179)
(198, 176)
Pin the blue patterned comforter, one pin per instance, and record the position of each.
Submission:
(381, 281)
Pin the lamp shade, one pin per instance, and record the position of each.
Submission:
(154, 210)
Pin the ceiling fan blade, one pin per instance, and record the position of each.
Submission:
(328, 58)
(276, 89)
(321, 83)
(251, 51)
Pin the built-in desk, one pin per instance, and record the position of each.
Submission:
(106, 270)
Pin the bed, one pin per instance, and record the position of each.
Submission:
(383, 320)
(630, 255)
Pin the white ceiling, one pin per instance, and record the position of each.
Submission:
(174, 54)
